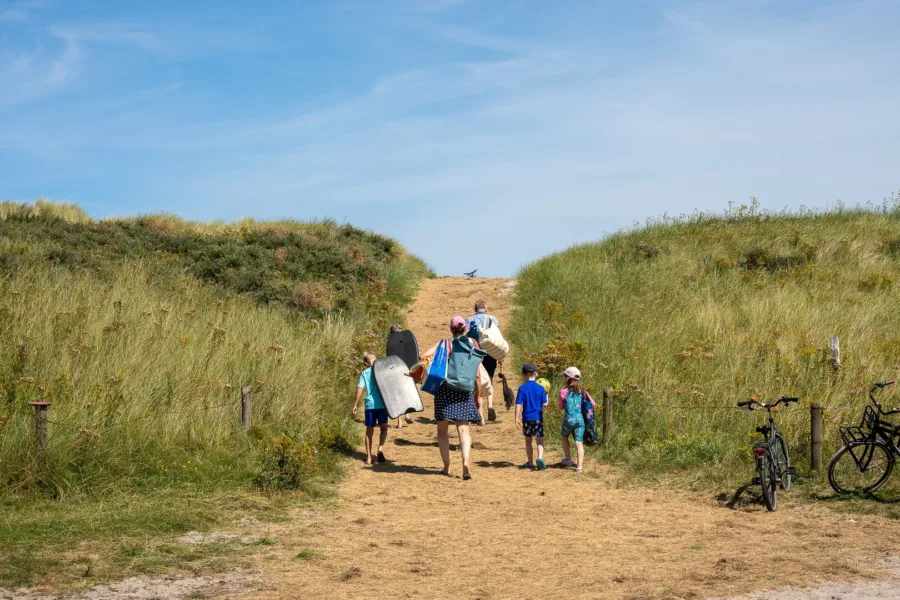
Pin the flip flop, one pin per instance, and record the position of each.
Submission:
(541, 465)
(528, 466)
(577, 470)
(467, 476)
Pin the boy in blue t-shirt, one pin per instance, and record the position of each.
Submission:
(376, 413)
(530, 403)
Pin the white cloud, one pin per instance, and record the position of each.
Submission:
(33, 76)
(19, 11)
(110, 32)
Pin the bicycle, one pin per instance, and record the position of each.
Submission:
(870, 449)
(773, 464)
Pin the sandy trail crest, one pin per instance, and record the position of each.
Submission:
(402, 530)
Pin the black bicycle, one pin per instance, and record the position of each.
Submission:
(870, 450)
(773, 464)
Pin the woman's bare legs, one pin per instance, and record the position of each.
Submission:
(444, 444)
(465, 444)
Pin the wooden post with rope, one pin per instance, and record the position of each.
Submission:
(835, 360)
(245, 407)
(815, 437)
(40, 425)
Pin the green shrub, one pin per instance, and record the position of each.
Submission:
(287, 464)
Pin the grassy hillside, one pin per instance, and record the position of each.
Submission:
(685, 317)
(142, 333)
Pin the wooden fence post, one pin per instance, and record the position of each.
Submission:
(815, 437)
(607, 414)
(40, 424)
(835, 344)
(245, 407)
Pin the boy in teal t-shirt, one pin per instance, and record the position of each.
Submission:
(376, 413)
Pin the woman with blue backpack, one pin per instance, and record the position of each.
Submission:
(457, 398)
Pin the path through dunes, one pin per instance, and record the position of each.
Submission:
(402, 530)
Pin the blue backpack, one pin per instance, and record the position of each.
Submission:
(475, 327)
(462, 366)
(590, 421)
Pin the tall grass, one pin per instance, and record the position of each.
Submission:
(116, 323)
(46, 209)
(145, 380)
(685, 317)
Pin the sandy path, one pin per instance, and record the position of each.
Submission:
(401, 530)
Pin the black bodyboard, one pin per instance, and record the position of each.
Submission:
(404, 345)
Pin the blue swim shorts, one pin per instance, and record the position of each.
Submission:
(376, 417)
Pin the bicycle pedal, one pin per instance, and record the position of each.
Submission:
(754, 481)
(792, 470)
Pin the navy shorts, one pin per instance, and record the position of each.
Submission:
(533, 428)
(376, 416)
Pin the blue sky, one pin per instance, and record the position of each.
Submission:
(481, 134)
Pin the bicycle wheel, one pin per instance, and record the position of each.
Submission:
(784, 462)
(860, 467)
(767, 482)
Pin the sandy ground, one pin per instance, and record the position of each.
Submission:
(231, 585)
(403, 530)
(887, 589)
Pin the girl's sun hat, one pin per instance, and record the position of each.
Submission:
(457, 321)
(572, 373)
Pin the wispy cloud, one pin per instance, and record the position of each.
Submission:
(30, 76)
(58, 57)
(110, 32)
(19, 11)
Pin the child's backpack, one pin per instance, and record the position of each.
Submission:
(475, 329)
(462, 366)
(590, 420)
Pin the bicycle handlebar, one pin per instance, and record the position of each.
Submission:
(878, 386)
(749, 403)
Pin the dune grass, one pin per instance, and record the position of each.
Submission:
(142, 333)
(685, 317)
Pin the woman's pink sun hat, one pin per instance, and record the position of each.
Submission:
(457, 321)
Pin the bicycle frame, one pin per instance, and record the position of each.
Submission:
(772, 460)
(872, 429)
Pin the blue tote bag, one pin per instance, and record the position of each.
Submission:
(437, 370)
